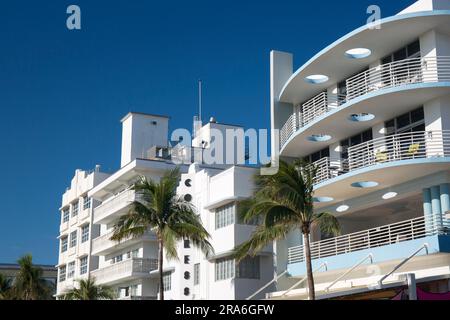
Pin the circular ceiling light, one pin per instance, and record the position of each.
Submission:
(389, 195)
(322, 199)
(342, 208)
(358, 53)
(361, 117)
(365, 184)
(319, 138)
(316, 79)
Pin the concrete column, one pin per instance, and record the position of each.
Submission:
(436, 206)
(412, 288)
(427, 208)
(445, 197)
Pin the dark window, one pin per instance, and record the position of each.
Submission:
(187, 244)
(355, 140)
(412, 121)
(414, 48)
(187, 275)
(186, 259)
(324, 153)
(186, 291)
(417, 115)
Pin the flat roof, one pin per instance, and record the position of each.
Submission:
(16, 266)
(143, 114)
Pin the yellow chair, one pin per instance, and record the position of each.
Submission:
(413, 149)
(381, 156)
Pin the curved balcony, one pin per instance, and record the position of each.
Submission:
(396, 31)
(103, 245)
(125, 270)
(392, 78)
(113, 207)
(388, 160)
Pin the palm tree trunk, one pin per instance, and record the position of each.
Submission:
(309, 273)
(160, 266)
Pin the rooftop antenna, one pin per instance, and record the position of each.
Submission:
(200, 100)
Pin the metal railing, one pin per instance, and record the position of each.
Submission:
(124, 269)
(308, 112)
(328, 168)
(398, 73)
(403, 146)
(113, 204)
(319, 105)
(376, 237)
(394, 74)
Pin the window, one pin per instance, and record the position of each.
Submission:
(325, 153)
(64, 244)
(187, 275)
(71, 270)
(412, 121)
(225, 215)
(86, 203)
(224, 269)
(135, 253)
(83, 265)
(134, 290)
(73, 239)
(84, 233)
(187, 244)
(65, 214)
(248, 268)
(62, 273)
(167, 281)
(186, 259)
(118, 258)
(196, 274)
(355, 140)
(75, 208)
(409, 52)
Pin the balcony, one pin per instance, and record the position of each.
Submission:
(404, 146)
(384, 150)
(112, 208)
(102, 245)
(125, 270)
(388, 242)
(359, 87)
(138, 298)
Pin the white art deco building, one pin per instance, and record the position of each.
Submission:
(96, 200)
(372, 111)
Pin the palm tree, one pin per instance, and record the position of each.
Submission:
(5, 287)
(88, 290)
(158, 208)
(284, 202)
(29, 284)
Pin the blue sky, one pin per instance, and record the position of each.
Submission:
(62, 93)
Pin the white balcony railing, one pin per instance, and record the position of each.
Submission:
(398, 73)
(376, 237)
(104, 242)
(408, 71)
(114, 204)
(329, 168)
(309, 111)
(125, 269)
(404, 146)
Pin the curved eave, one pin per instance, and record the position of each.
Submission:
(385, 174)
(384, 104)
(395, 32)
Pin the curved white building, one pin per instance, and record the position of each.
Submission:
(372, 111)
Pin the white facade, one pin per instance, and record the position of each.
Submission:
(77, 230)
(130, 266)
(372, 112)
